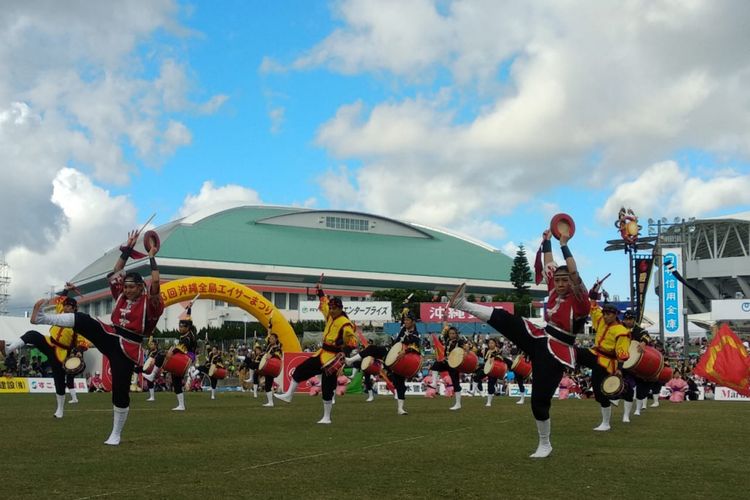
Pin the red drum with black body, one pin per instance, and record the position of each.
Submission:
(335, 365)
(177, 364)
(270, 366)
(217, 372)
(403, 362)
(495, 368)
(463, 361)
(371, 366)
(645, 363)
(521, 367)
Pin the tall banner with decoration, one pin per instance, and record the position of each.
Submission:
(672, 290)
(643, 266)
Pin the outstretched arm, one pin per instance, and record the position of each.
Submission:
(125, 255)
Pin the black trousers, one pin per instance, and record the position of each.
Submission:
(109, 345)
(642, 388)
(311, 367)
(547, 370)
(32, 337)
(442, 366)
(204, 370)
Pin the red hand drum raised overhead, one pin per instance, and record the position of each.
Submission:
(644, 363)
(177, 364)
(371, 366)
(151, 238)
(495, 368)
(270, 366)
(521, 367)
(463, 361)
(403, 362)
(562, 224)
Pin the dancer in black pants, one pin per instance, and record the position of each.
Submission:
(551, 348)
(136, 311)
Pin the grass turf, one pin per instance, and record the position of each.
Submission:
(234, 448)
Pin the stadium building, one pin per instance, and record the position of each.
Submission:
(281, 252)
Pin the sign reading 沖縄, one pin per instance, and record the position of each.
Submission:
(672, 290)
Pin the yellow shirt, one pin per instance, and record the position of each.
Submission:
(612, 341)
(339, 332)
(60, 338)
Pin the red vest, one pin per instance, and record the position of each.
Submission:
(130, 315)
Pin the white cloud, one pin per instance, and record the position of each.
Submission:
(533, 96)
(93, 89)
(277, 119)
(665, 190)
(211, 197)
(91, 221)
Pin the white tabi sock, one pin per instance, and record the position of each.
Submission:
(489, 400)
(638, 406)
(457, 405)
(14, 346)
(151, 394)
(371, 395)
(543, 428)
(400, 406)
(180, 402)
(269, 398)
(119, 418)
(60, 405)
(656, 400)
(627, 406)
(606, 415)
(289, 394)
(213, 393)
(73, 396)
(327, 406)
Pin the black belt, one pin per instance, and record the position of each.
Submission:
(331, 348)
(561, 336)
(127, 334)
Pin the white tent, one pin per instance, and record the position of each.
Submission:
(693, 331)
(12, 327)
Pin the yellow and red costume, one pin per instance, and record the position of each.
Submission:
(612, 341)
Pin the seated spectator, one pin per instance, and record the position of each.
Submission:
(95, 383)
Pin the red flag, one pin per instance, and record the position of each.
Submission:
(726, 362)
(362, 338)
(538, 267)
(439, 347)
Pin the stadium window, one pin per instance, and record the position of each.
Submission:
(268, 296)
(293, 301)
(279, 300)
(347, 223)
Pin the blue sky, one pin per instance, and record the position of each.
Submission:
(483, 117)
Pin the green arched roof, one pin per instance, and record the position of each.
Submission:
(295, 237)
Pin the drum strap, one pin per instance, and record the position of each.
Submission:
(561, 336)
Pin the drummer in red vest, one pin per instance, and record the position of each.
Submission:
(409, 338)
(339, 335)
(642, 387)
(57, 346)
(551, 348)
(273, 349)
(135, 314)
(490, 355)
(611, 348)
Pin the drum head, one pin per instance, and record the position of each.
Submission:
(456, 357)
(635, 356)
(612, 385)
(263, 362)
(488, 365)
(394, 353)
(366, 362)
(73, 363)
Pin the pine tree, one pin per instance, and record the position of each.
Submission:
(520, 273)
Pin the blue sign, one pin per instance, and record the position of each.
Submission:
(671, 292)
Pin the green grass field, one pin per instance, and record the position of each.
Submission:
(234, 448)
